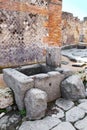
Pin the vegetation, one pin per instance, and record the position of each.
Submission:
(22, 112)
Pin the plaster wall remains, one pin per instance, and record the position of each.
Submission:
(27, 27)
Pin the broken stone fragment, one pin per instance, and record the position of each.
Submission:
(73, 88)
(6, 97)
(35, 103)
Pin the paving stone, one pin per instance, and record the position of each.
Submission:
(64, 126)
(78, 64)
(72, 88)
(74, 114)
(64, 104)
(85, 128)
(10, 121)
(82, 100)
(59, 114)
(75, 54)
(35, 103)
(82, 124)
(83, 106)
(45, 124)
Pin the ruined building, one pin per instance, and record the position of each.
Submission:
(73, 29)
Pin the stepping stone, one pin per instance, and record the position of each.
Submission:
(74, 114)
(45, 124)
(78, 64)
(82, 100)
(83, 106)
(85, 128)
(64, 126)
(82, 124)
(59, 114)
(64, 104)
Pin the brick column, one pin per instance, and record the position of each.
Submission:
(54, 23)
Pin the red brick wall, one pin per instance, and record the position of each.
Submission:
(54, 23)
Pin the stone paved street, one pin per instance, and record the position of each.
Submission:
(60, 118)
(79, 55)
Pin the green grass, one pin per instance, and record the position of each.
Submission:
(22, 112)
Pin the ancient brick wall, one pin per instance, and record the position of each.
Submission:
(71, 29)
(27, 27)
(21, 36)
(54, 23)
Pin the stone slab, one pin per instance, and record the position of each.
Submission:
(59, 112)
(64, 126)
(74, 114)
(64, 104)
(50, 83)
(83, 106)
(45, 124)
(19, 83)
(81, 124)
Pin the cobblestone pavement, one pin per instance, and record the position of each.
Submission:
(75, 54)
(60, 116)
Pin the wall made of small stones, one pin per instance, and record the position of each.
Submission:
(84, 30)
(24, 36)
(21, 35)
(71, 29)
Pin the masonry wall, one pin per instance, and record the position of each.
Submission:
(84, 30)
(21, 36)
(71, 29)
(25, 34)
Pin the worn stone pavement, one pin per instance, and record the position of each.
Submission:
(60, 116)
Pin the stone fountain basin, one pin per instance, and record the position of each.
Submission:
(40, 76)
